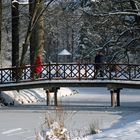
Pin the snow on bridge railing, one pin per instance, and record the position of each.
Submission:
(71, 71)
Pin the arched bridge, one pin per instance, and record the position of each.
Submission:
(71, 75)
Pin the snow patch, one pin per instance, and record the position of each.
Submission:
(11, 131)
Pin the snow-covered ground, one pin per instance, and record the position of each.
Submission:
(28, 96)
(85, 107)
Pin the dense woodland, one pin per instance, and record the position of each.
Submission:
(46, 27)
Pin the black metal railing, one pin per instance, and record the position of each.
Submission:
(71, 71)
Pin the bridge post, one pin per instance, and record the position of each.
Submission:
(115, 97)
(55, 89)
(118, 96)
(47, 97)
(48, 92)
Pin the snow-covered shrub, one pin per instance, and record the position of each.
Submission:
(55, 132)
(53, 127)
(94, 128)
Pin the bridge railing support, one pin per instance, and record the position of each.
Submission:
(55, 96)
(47, 97)
(115, 97)
(79, 77)
(48, 92)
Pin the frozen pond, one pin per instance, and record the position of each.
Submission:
(90, 105)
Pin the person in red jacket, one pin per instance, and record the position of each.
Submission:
(38, 66)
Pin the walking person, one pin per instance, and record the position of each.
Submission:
(102, 61)
(38, 66)
(99, 60)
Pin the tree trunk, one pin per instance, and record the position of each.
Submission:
(15, 34)
(40, 32)
(37, 24)
(32, 50)
(37, 35)
(0, 32)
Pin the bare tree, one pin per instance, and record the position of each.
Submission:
(36, 21)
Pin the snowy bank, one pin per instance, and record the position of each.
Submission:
(28, 96)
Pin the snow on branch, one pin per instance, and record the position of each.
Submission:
(115, 13)
(15, 1)
(125, 13)
(121, 35)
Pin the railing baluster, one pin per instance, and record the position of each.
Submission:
(64, 72)
(86, 71)
(79, 71)
(129, 71)
(71, 71)
(1, 76)
(17, 74)
(110, 70)
(134, 72)
(56, 70)
(49, 71)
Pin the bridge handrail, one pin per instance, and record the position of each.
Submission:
(70, 71)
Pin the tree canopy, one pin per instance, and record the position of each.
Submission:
(80, 26)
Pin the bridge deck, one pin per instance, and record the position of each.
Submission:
(71, 83)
